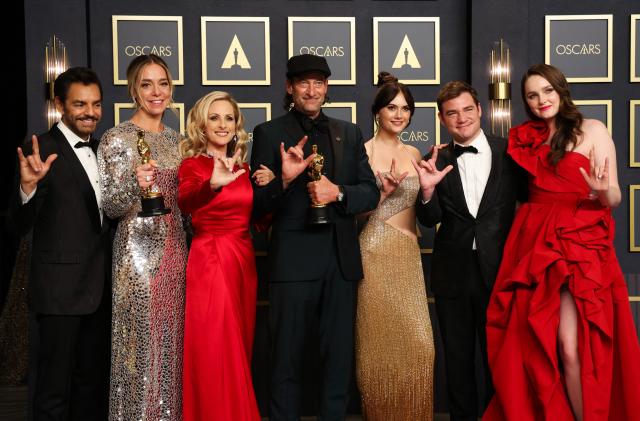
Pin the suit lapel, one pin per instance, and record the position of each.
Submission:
(80, 175)
(336, 135)
(493, 183)
(295, 132)
(455, 182)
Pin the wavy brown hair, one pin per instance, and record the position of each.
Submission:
(568, 120)
(196, 141)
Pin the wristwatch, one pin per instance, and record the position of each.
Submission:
(340, 196)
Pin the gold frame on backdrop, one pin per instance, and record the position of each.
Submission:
(633, 104)
(547, 39)
(351, 105)
(606, 102)
(176, 106)
(352, 40)
(436, 38)
(265, 105)
(179, 80)
(634, 74)
(267, 52)
(633, 247)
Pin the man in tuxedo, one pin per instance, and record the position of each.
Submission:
(69, 283)
(314, 268)
(470, 188)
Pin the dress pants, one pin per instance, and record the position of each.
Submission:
(73, 360)
(462, 319)
(295, 307)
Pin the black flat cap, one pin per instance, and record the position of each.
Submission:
(307, 63)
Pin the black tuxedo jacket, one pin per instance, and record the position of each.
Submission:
(297, 251)
(71, 252)
(452, 251)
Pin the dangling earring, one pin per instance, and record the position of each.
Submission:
(291, 106)
(231, 147)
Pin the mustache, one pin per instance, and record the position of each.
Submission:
(86, 117)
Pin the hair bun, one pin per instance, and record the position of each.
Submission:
(386, 77)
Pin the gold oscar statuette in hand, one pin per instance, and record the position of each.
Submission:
(318, 212)
(152, 200)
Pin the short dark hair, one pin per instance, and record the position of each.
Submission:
(453, 90)
(388, 89)
(82, 75)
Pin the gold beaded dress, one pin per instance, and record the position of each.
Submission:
(149, 264)
(394, 341)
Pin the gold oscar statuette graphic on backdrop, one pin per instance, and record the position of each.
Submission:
(318, 212)
(152, 200)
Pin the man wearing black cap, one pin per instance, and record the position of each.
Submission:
(313, 268)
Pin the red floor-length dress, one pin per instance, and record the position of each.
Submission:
(221, 297)
(560, 239)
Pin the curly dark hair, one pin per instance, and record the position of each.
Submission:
(568, 119)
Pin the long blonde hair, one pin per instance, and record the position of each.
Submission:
(196, 142)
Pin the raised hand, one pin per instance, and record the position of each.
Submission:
(598, 176)
(429, 175)
(263, 176)
(223, 173)
(146, 174)
(390, 181)
(293, 161)
(32, 169)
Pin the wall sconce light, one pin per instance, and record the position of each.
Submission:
(500, 89)
(55, 62)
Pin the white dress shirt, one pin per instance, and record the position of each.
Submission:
(87, 159)
(474, 171)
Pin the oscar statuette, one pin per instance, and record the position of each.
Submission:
(318, 212)
(151, 200)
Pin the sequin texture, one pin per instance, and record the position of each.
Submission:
(149, 263)
(394, 341)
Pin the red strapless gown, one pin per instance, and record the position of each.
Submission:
(559, 238)
(221, 297)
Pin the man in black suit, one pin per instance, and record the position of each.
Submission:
(474, 206)
(313, 268)
(69, 282)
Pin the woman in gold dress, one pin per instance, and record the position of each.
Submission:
(394, 341)
(149, 253)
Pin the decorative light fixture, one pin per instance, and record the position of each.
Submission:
(55, 62)
(500, 89)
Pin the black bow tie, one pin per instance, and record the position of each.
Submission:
(459, 149)
(88, 144)
(319, 124)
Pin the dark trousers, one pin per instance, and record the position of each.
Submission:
(294, 307)
(462, 319)
(73, 357)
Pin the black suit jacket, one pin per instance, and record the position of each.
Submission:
(71, 252)
(452, 251)
(297, 251)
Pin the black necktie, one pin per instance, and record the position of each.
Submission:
(88, 144)
(459, 149)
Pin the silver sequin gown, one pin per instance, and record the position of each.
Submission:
(149, 263)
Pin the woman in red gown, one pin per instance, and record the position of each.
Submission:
(215, 189)
(561, 339)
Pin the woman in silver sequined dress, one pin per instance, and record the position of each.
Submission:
(149, 254)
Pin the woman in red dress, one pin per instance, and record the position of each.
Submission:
(215, 189)
(561, 339)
